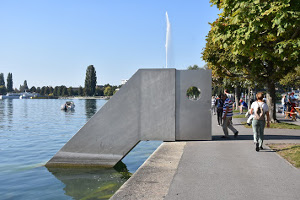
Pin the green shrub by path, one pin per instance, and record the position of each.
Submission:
(291, 152)
(281, 125)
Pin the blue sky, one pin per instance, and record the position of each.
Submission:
(51, 42)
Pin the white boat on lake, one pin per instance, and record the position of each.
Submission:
(11, 96)
(69, 105)
(28, 95)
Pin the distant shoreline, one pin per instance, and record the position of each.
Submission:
(96, 97)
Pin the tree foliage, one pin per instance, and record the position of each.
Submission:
(80, 91)
(70, 91)
(24, 87)
(9, 82)
(32, 89)
(193, 92)
(254, 40)
(90, 81)
(292, 79)
(2, 89)
(194, 67)
(108, 91)
(2, 82)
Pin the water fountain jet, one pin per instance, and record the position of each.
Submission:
(167, 38)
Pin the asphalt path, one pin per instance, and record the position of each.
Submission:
(218, 169)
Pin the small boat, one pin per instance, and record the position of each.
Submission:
(28, 95)
(69, 105)
(11, 96)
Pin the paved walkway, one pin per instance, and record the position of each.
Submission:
(219, 169)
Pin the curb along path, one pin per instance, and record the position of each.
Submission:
(152, 180)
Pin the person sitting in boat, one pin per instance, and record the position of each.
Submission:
(65, 106)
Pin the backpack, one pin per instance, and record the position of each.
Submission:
(220, 103)
(259, 114)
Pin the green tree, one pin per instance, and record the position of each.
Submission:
(108, 91)
(64, 90)
(193, 93)
(38, 90)
(292, 79)
(51, 90)
(24, 87)
(255, 40)
(47, 90)
(99, 91)
(90, 81)
(2, 82)
(70, 91)
(194, 67)
(43, 90)
(80, 91)
(2, 89)
(56, 91)
(32, 89)
(9, 82)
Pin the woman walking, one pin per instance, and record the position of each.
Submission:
(260, 109)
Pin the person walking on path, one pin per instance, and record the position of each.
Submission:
(220, 104)
(213, 105)
(260, 109)
(231, 97)
(283, 103)
(227, 117)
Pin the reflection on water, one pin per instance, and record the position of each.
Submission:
(91, 183)
(90, 107)
(10, 110)
(2, 111)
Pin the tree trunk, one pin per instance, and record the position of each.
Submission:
(237, 91)
(271, 101)
(249, 97)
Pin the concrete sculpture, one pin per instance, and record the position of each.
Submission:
(152, 105)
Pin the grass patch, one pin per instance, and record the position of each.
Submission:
(291, 152)
(281, 125)
(239, 116)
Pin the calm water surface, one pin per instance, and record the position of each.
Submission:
(32, 131)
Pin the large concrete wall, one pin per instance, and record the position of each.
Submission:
(152, 105)
(193, 117)
(143, 109)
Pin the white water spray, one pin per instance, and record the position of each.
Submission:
(167, 38)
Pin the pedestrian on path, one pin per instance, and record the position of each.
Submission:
(243, 105)
(284, 104)
(213, 105)
(231, 97)
(227, 117)
(220, 104)
(260, 109)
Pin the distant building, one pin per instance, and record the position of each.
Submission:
(124, 81)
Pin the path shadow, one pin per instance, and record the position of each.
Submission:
(250, 137)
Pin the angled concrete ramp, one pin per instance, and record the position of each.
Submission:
(152, 105)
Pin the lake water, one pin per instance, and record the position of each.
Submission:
(32, 131)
